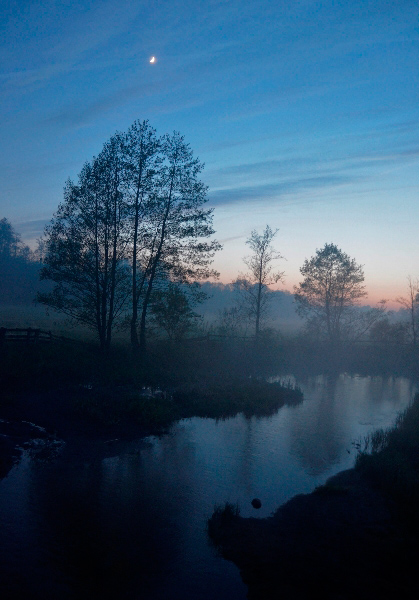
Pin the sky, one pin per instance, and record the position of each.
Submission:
(305, 113)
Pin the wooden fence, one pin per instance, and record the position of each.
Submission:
(30, 335)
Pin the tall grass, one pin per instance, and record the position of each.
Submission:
(391, 459)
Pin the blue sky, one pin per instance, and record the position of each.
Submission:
(305, 113)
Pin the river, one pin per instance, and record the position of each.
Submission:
(128, 519)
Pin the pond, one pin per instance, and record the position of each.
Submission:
(128, 519)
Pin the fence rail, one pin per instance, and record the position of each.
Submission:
(30, 335)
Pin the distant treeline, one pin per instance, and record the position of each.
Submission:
(19, 268)
(221, 296)
(20, 283)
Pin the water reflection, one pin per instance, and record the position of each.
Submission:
(128, 520)
(316, 439)
(339, 410)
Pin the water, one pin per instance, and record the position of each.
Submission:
(128, 520)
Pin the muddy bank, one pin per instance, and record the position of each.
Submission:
(341, 541)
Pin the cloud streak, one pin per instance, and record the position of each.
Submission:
(275, 191)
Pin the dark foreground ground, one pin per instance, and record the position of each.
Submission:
(340, 542)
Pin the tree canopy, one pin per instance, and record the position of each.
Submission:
(134, 220)
(332, 285)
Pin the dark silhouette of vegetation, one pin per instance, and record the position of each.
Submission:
(135, 219)
(117, 391)
(254, 285)
(411, 304)
(85, 247)
(179, 224)
(142, 159)
(390, 458)
(332, 287)
(19, 268)
(172, 309)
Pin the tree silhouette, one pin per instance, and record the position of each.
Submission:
(332, 285)
(86, 246)
(254, 284)
(178, 225)
(134, 219)
(411, 304)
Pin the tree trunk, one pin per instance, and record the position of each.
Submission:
(143, 342)
(135, 296)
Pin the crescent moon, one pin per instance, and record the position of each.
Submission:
(153, 59)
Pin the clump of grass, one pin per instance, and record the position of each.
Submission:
(376, 441)
(228, 398)
(330, 489)
(221, 519)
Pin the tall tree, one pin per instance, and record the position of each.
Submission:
(142, 160)
(86, 246)
(332, 285)
(254, 284)
(134, 219)
(179, 224)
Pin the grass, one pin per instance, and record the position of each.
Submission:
(227, 398)
(391, 459)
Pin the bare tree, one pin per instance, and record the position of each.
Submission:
(411, 304)
(254, 284)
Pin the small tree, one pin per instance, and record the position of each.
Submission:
(172, 309)
(411, 304)
(231, 322)
(254, 284)
(19, 273)
(11, 246)
(332, 286)
(387, 333)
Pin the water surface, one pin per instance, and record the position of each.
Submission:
(128, 519)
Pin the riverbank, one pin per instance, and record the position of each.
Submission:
(73, 393)
(356, 536)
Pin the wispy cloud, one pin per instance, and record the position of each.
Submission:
(275, 191)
